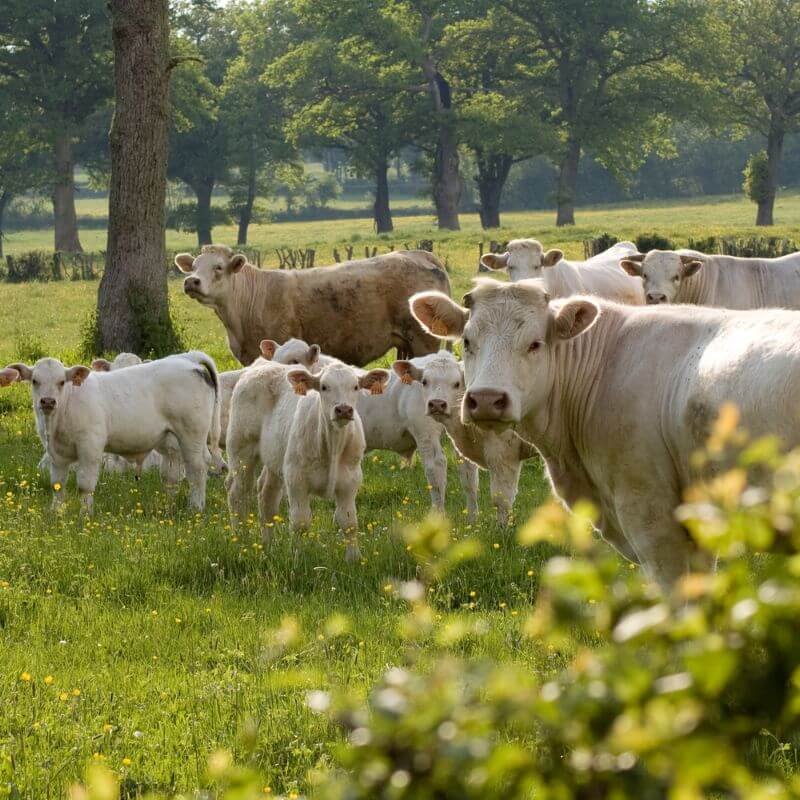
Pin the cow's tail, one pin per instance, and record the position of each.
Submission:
(211, 377)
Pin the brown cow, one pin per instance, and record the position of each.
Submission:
(355, 311)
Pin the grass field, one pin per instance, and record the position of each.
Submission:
(145, 639)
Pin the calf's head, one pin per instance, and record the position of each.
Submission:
(509, 333)
(442, 382)
(662, 272)
(49, 380)
(295, 352)
(209, 276)
(338, 386)
(524, 259)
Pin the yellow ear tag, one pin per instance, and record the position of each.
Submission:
(407, 379)
(300, 388)
(438, 328)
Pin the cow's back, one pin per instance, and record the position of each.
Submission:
(748, 283)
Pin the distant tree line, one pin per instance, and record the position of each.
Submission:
(502, 104)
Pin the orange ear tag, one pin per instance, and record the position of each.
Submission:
(300, 388)
(438, 328)
(407, 379)
(376, 388)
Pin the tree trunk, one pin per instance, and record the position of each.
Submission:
(766, 207)
(568, 184)
(382, 212)
(492, 175)
(132, 303)
(5, 198)
(246, 213)
(203, 192)
(65, 218)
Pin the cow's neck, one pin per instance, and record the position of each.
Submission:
(331, 440)
(698, 289)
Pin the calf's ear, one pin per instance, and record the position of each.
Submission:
(23, 370)
(632, 265)
(407, 372)
(312, 354)
(184, 262)
(494, 260)
(438, 314)
(78, 374)
(268, 348)
(375, 380)
(302, 381)
(237, 262)
(101, 365)
(689, 266)
(552, 257)
(575, 317)
(8, 376)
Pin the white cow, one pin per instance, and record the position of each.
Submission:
(687, 276)
(599, 275)
(311, 442)
(127, 412)
(294, 351)
(617, 398)
(500, 452)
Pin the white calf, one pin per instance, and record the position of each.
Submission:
(127, 412)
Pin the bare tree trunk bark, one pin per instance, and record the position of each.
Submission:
(5, 199)
(568, 184)
(65, 218)
(132, 303)
(766, 207)
(246, 213)
(492, 175)
(382, 211)
(203, 192)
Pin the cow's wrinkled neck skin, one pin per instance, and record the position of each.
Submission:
(698, 288)
(51, 423)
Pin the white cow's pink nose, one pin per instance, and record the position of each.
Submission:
(487, 405)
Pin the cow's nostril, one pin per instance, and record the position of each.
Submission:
(501, 402)
(472, 403)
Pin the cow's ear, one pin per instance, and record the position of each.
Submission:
(494, 260)
(438, 314)
(8, 376)
(575, 317)
(689, 266)
(78, 374)
(23, 370)
(268, 348)
(302, 381)
(237, 262)
(406, 371)
(312, 354)
(632, 266)
(552, 257)
(184, 262)
(101, 365)
(375, 381)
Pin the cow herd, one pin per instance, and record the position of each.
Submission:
(613, 370)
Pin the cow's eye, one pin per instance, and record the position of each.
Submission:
(466, 344)
(676, 279)
(294, 361)
(60, 384)
(324, 388)
(424, 381)
(218, 268)
(355, 388)
(457, 385)
(534, 346)
(35, 382)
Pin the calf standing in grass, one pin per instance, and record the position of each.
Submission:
(126, 412)
(441, 379)
(311, 442)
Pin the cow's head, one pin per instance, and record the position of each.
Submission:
(49, 379)
(524, 259)
(208, 277)
(294, 352)
(662, 272)
(338, 386)
(441, 379)
(509, 334)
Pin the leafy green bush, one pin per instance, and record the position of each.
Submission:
(756, 177)
(653, 241)
(598, 244)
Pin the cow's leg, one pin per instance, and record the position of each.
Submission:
(170, 470)
(434, 464)
(241, 480)
(87, 475)
(503, 482)
(468, 475)
(194, 462)
(346, 516)
(299, 505)
(270, 491)
(59, 473)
